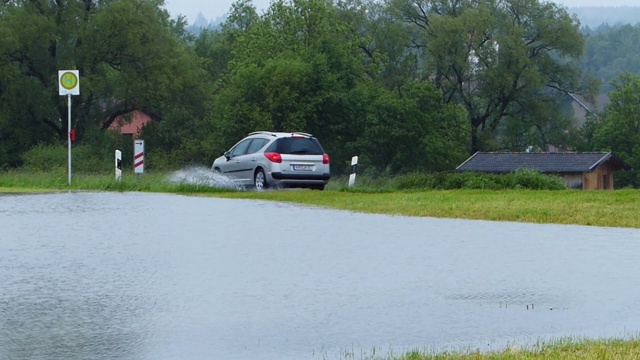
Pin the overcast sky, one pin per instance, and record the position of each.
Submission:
(212, 9)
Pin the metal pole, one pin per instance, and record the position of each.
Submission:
(69, 136)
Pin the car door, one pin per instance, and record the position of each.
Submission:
(236, 167)
(249, 161)
(253, 155)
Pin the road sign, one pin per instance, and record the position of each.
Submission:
(138, 156)
(69, 82)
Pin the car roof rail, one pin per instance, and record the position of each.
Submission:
(302, 133)
(275, 134)
(262, 132)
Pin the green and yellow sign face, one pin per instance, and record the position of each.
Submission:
(69, 82)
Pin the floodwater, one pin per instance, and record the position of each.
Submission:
(156, 276)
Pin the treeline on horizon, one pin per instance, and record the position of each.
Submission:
(407, 85)
(592, 18)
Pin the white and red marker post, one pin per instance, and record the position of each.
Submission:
(138, 156)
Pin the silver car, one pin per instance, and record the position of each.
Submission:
(276, 159)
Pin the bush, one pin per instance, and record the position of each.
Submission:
(45, 158)
(521, 179)
(418, 181)
(48, 158)
(531, 179)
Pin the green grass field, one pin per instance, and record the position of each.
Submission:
(604, 208)
(567, 349)
(618, 208)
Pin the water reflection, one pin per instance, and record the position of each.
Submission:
(149, 276)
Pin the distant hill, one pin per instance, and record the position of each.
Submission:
(594, 16)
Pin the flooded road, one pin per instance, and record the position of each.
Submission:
(154, 276)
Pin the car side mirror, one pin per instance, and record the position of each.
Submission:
(227, 155)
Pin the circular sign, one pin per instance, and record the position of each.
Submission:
(69, 80)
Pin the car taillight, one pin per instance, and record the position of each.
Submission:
(273, 157)
(325, 159)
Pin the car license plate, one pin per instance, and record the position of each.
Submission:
(302, 167)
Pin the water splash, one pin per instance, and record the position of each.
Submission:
(202, 176)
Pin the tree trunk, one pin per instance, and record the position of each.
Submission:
(475, 146)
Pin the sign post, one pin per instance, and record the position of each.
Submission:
(69, 84)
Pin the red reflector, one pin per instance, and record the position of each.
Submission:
(273, 157)
(325, 159)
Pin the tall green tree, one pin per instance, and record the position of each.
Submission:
(412, 130)
(618, 129)
(292, 70)
(493, 56)
(327, 68)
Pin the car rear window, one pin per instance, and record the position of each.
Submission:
(296, 145)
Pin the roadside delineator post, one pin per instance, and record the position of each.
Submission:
(138, 156)
(118, 165)
(354, 170)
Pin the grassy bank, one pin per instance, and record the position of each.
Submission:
(597, 208)
(610, 208)
(611, 349)
(27, 181)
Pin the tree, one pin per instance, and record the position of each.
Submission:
(291, 70)
(618, 130)
(493, 56)
(541, 128)
(125, 64)
(412, 130)
(327, 69)
(612, 51)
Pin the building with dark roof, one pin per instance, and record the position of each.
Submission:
(593, 170)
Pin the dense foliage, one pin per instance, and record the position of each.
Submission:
(518, 180)
(618, 129)
(497, 58)
(610, 51)
(125, 64)
(407, 85)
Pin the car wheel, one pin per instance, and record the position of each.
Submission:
(260, 180)
(217, 170)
